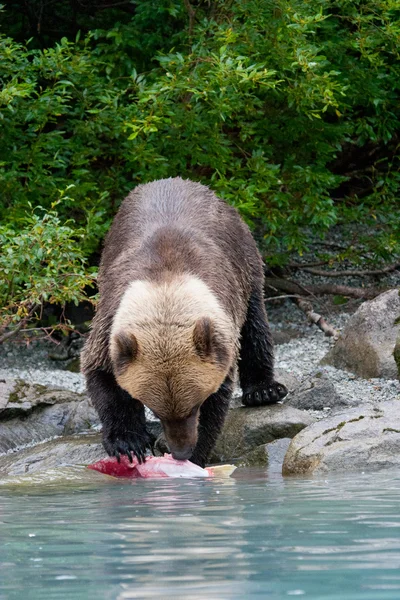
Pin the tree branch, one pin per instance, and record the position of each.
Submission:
(192, 15)
(281, 297)
(22, 322)
(318, 263)
(351, 273)
(291, 287)
(315, 318)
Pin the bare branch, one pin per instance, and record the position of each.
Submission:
(281, 297)
(318, 263)
(292, 287)
(351, 273)
(315, 318)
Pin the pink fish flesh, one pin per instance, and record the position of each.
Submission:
(155, 467)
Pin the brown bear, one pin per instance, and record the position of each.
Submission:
(181, 302)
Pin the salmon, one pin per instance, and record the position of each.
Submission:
(157, 467)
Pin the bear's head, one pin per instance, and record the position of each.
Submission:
(171, 356)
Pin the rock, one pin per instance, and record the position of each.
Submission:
(58, 479)
(161, 446)
(284, 336)
(74, 365)
(365, 437)
(19, 398)
(316, 394)
(290, 381)
(247, 428)
(267, 455)
(366, 345)
(69, 450)
(65, 451)
(30, 413)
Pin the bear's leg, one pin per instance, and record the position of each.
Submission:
(212, 416)
(256, 364)
(122, 417)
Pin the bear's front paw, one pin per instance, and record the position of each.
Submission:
(128, 443)
(264, 393)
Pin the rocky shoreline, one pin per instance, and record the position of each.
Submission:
(332, 419)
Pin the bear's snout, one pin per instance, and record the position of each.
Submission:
(184, 454)
(181, 436)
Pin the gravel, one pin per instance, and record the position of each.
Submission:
(300, 357)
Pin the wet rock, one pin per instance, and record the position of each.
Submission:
(30, 413)
(366, 345)
(65, 451)
(365, 437)
(58, 478)
(247, 428)
(68, 450)
(267, 455)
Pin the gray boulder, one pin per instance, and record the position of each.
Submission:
(57, 453)
(366, 345)
(316, 394)
(290, 381)
(66, 451)
(30, 413)
(365, 437)
(247, 428)
(284, 336)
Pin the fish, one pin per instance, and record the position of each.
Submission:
(156, 467)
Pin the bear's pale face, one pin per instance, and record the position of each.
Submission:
(172, 370)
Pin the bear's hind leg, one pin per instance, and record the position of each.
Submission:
(256, 364)
(122, 417)
(212, 417)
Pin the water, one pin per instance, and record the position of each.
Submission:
(245, 537)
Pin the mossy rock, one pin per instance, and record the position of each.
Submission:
(247, 428)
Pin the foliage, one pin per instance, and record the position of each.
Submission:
(41, 260)
(288, 109)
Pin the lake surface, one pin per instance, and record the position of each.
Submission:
(245, 537)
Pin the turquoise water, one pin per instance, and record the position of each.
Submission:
(248, 537)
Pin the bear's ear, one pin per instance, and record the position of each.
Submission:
(126, 347)
(209, 342)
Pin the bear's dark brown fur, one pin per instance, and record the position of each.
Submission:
(181, 290)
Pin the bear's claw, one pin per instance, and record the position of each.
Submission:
(264, 393)
(127, 444)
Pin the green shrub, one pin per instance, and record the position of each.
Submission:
(41, 260)
(288, 109)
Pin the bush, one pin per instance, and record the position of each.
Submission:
(288, 109)
(41, 261)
